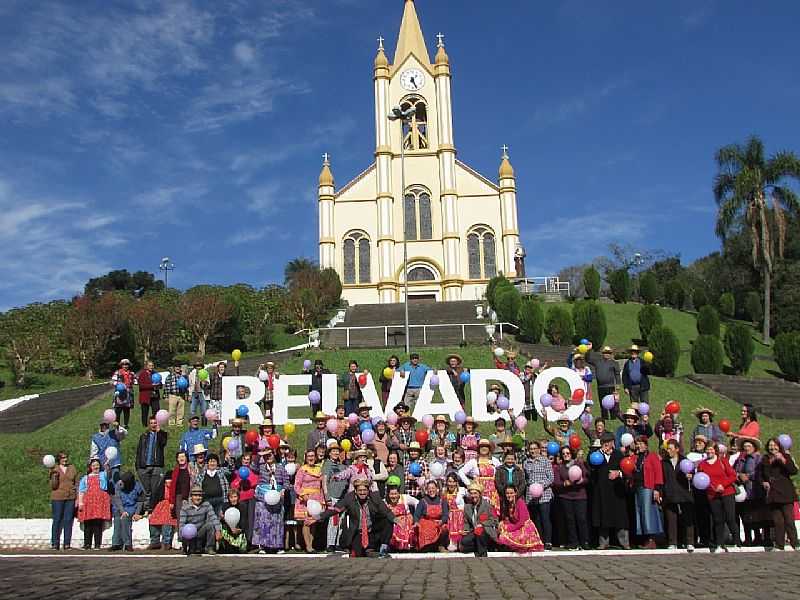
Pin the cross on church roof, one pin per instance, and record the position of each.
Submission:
(326, 159)
(380, 42)
(440, 37)
(505, 151)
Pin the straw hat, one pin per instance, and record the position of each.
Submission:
(440, 419)
(360, 452)
(699, 411)
(198, 449)
(486, 442)
(512, 354)
(472, 421)
(631, 413)
(475, 487)
(408, 418)
(577, 356)
(507, 441)
(607, 350)
(755, 441)
(456, 356)
(363, 406)
(633, 348)
(320, 416)
(414, 446)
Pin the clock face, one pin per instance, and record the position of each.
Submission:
(412, 80)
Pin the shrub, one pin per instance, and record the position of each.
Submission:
(752, 307)
(495, 283)
(699, 298)
(663, 343)
(619, 283)
(708, 321)
(530, 320)
(558, 326)
(649, 317)
(707, 355)
(675, 293)
(727, 305)
(739, 347)
(591, 282)
(787, 354)
(506, 302)
(590, 322)
(648, 288)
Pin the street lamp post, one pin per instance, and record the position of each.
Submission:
(404, 116)
(166, 266)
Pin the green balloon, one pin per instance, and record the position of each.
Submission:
(202, 374)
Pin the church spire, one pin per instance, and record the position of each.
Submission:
(410, 40)
(325, 175)
(506, 170)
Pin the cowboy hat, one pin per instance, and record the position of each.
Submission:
(237, 422)
(266, 423)
(320, 416)
(475, 487)
(124, 361)
(456, 356)
(284, 444)
(563, 417)
(577, 356)
(755, 441)
(440, 419)
(596, 443)
(363, 406)
(633, 348)
(631, 413)
(699, 411)
(360, 452)
(607, 350)
(485, 442)
(507, 441)
(408, 418)
(701, 437)
(333, 444)
(512, 354)
(414, 446)
(269, 363)
(198, 449)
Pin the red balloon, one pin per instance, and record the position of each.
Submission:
(628, 465)
(362, 380)
(274, 441)
(574, 441)
(422, 437)
(672, 407)
(251, 438)
(725, 425)
(578, 396)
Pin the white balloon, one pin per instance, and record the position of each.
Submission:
(331, 442)
(437, 469)
(232, 517)
(314, 508)
(491, 397)
(263, 375)
(498, 352)
(290, 468)
(741, 495)
(626, 439)
(49, 461)
(111, 453)
(272, 497)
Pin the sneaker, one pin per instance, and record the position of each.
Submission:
(712, 549)
(603, 547)
(211, 551)
(626, 547)
(128, 548)
(548, 546)
(281, 551)
(115, 548)
(586, 547)
(86, 547)
(672, 547)
(689, 548)
(724, 548)
(384, 554)
(154, 547)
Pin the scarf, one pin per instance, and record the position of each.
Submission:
(361, 468)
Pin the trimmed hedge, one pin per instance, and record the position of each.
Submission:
(727, 305)
(530, 319)
(590, 322)
(752, 307)
(699, 298)
(507, 301)
(649, 317)
(666, 349)
(707, 355)
(787, 354)
(708, 321)
(620, 285)
(739, 347)
(492, 287)
(591, 283)
(558, 326)
(648, 288)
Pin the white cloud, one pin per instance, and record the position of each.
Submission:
(593, 230)
(169, 197)
(570, 108)
(265, 199)
(248, 236)
(244, 52)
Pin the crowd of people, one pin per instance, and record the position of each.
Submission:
(370, 486)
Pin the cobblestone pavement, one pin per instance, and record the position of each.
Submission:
(772, 576)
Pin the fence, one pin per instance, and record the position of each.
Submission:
(394, 335)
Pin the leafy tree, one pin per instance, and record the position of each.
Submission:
(707, 355)
(648, 288)
(664, 345)
(558, 325)
(530, 320)
(787, 354)
(649, 317)
(30, 333)
(153, 321)
(312, 293)
(589, 320)
(739, 347)
(786, 316)
(90, 325)
(675, 293)
(699, 298)
(727, 305)
(619, 282)
(748, 188)
(591, 282)
(297, 266)
(203, 310)
(708, 321)
(667, 269)
(752, 307)
(120, 280)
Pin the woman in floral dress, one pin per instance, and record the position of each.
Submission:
(481, 470)
(94, 504)
(268, 527)
(308, 486)
(469, 439)
(402, 506)
(516, 531)
(454, 495)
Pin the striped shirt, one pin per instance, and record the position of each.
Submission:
(538, 470)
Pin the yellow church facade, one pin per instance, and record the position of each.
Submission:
(460, 227)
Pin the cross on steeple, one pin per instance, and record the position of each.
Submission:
(380, 42)
(505, 150)
(440, 37)
(326, 159)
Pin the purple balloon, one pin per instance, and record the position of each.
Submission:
(701, 481)
(785, 440)
(368, 436)
(434, 380)
(233, 445)
(262, 444)
(586, 419)
(546, 400)
(307, 364)
(503, 403)
(686, 466)
(376, 420)
(188, 532)
(314, 397)
(608, 402)
(644, 408)
(460, 417)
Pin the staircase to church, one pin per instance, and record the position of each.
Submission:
(773, 397)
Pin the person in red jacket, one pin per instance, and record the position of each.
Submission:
(648, 481)
(149, 394)
(721, 497)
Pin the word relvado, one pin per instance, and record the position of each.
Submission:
(449, 405)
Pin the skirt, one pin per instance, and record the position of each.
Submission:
(524, 539)
(403, 533)
(162, 515)
(268, 527)
(649, 520)
(455, 523)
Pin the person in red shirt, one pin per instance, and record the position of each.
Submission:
(648, 480)
(749, 427)
(721, 497)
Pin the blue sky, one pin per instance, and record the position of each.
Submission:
(135, 130)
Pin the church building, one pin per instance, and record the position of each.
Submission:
(460, 226)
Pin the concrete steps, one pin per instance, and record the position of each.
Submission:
(773, 397)
(36, 413)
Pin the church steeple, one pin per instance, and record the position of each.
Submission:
(410, 40)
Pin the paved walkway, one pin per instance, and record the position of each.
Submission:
(557, 576)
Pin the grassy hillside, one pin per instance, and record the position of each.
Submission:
(25, 492)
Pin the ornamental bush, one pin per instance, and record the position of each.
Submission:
(752, 307)
(492, 287)
(739, 347)
(666, 349)
(649, 317)
(558, 326)
(675, 293)
(648, 288)
(619, 283)
(707, 355)
(787, 354)
(708, 321)
(506, 302)
(591, 283)
(589, 320)
(530, 319)
(699, 298)
(727, 305)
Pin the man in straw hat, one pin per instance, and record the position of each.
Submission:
(414, 483)
(480, 523)
(405, 436)
(319, 435)
(635, 376)
(607, 375)
(455, 367)
(706, 426)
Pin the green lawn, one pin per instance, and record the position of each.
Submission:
(25, 493)
(38, 383)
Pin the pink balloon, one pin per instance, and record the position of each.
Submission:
(332, 425)
(211, 414)
(521, 422)
(109, 416)
(162, 416)
(536, 490)
(575, 473)
(352, 418)
(392, 419)
(535, 362)
(427, 420)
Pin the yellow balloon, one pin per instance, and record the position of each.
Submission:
(225, 442)
(289, 428)
(236, 355)
(583, 348)
(388, 373)
(647, 357)
(346, 445)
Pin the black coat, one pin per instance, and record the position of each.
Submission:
(778, 475)
(677, 487)
(644, 369)
(158, 450)
(380, 515)
(609, 503)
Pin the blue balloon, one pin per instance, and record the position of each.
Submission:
(120, 387)
(183, 383)
(364, 425)
(242, 411)
(596, 458)
(244, 472)
(464, 377)
(588, 377)
(155, 378)
(585, 342)
(552, 448)
(415, 469)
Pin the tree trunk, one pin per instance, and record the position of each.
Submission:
(145, 356)
(89, 374)
(201, 346)
(767, 294)
(21, 368)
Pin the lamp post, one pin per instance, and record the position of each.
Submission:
(404, 116)
(166, 266)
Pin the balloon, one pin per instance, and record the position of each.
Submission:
(49, 461)
(352, 418)
(583, 348)
(183, 383)
(155, 379)
(546, 400)
(686, 466)
(111, 453)
(415, 469)
(332, 425)
(109, 416)
(346, 445)
(225, 441)
(290, 468)
(362, 380)
(289, 428)
(644, 408)
(627, 465)
(724, 425)
(242, 411)
(263, 375)
(120, 388)
(521, 423)
(626, 440)
(741, 494)
(701, 481)
(460, 417)
(574, 441)
(314, 397)
(584, 341)
(427, 420)
(575, 473)
(330, 443)
(188, 532)
(785, 441)
(236, 355)
(464, 377)
(578, 396)
(673, 407)
(314, 508)
(202, 375)
(307, 365)
(233, 445)
(596, 458)
(552, 448)
(422, 437)
(436, 469)
(498, 352)
(251, 439)
(274, 441)
(244, 472)
(368, 436)
(162, 416)
(647, 357)
(491, 397)
(376, 420)
(273, 497)
(722, 448)
(232, 516)
(434, 381)
(535, 363)
(364, 425)
(388, 373)
(588, 378)
(502, 402)
(262, 444)
(586, 420)
(608, 402)
(536, 490)
(211, 414)
(392, 419)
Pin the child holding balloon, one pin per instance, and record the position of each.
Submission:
(232, 519)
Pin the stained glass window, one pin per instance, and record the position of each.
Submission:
(420, 274)
(425, 224)
(411, 217)
(363, 261)
(349, 261)
(489, 263)
(474, 256)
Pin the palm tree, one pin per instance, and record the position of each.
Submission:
(748, 192)
(296, 266)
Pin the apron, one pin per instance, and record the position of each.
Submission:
(430, 526)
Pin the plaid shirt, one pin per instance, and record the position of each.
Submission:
(538, 470)
(216, 386)
(404, 437)
(413, 485)
(171, 386)
(223, 480)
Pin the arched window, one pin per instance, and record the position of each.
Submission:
(481, 253)
(417, 209)
(356, 263)
(415, 131)
(421, 274)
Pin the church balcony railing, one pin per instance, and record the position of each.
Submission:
(542, 285)
(421, 335)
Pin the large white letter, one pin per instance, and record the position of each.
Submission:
(574, 381)
(230, 401)
(396, 392)
(425, 405)
(371, 398)
(280, 408)
(329, 391)
(516, 393)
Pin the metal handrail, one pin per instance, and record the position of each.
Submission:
(424, 328)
